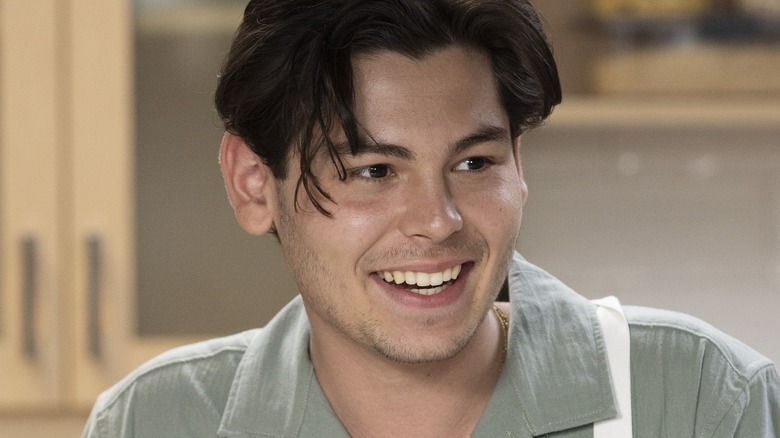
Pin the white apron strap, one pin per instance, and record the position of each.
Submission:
(618, 343)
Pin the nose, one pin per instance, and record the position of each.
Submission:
(430, 212)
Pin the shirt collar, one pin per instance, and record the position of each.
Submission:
(269, 392)
(556, 373)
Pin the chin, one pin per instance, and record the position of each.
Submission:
(417, 352)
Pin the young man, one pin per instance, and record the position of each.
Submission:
(380, 141)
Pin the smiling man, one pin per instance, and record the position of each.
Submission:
(380, 142)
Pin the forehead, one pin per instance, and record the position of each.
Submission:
(453, 87)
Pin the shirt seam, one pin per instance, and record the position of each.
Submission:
(525, 410)
(305, 404)
(741, 394)
(145, 373)
(760, 362)
(101, 424)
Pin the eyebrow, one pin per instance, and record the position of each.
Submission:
(484, 134)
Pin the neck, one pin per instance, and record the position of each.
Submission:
(374, 396)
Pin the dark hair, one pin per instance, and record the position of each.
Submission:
(287, 79)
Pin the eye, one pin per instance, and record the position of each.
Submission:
(374, 171)
(472, 164)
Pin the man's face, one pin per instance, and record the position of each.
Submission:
(423, 228)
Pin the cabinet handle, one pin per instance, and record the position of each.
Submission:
(29, 296)
(94, 274)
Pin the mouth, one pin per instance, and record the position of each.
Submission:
(422, 283)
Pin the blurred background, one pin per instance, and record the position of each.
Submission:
(657, 180)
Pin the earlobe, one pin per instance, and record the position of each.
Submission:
(249, 183)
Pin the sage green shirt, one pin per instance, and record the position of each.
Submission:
(688, 379)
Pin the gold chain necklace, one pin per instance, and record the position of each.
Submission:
(504, 322)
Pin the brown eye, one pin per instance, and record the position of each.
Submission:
(375, 171)
(472, 163)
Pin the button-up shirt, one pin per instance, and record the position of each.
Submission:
(688, 379)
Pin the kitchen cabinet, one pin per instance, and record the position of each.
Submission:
(111, 203)
(31, 152)
(67, 328)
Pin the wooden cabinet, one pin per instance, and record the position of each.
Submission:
(103, 342)
(112, 209)
(31, 207)
(66, 204)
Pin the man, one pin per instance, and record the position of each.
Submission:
(380, 142)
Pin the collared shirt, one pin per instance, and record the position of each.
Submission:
(688, 379)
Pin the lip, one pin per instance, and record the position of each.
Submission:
(410, 299)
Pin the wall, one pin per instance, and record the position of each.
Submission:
(681, 218)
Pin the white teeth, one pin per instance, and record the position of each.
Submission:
(423, 279)
(431, 281)
(429, 291)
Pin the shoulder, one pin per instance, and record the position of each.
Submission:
(195, 363)
(191, 382)
(187, 390)
(698, 378)
(675, 333)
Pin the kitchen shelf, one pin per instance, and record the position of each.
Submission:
(733, 112)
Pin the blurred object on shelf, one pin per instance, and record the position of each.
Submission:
(760, 7)
(652, 8)
(754, 21)
(713, 46)
(710, 68)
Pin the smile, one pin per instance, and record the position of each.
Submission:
(422, 283)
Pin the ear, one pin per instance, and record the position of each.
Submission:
(519, 164)
(250, 185)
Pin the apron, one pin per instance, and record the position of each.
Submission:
(618, 344)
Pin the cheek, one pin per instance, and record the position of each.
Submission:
(497, 211)
(506, 207)
(502, 194)
(359, 224)
(361, 215)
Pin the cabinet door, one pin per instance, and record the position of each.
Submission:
(31, 212)
(160, 260)
(103, 342)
